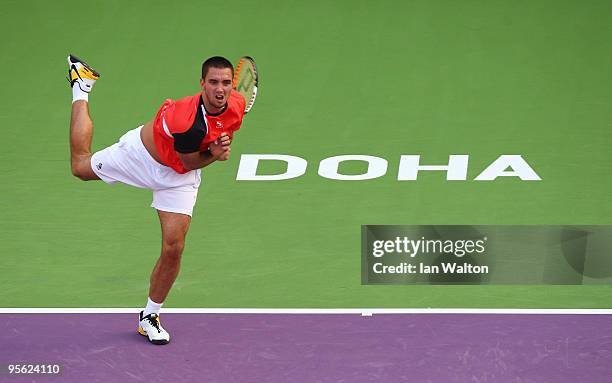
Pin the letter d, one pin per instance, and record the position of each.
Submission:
(247, 170)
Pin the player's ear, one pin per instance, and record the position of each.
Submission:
(202, 83)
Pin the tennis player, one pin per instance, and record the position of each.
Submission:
(164, 155)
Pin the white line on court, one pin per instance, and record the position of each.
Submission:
(360, 311)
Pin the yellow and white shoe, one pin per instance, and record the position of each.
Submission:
(82, 74)
(151, 327)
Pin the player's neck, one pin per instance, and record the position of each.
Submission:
(212, 110)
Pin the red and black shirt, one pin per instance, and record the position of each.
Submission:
(184, 126)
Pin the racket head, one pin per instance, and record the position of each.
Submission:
(246, 80)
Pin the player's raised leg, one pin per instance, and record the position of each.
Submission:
(81, 78)
(174, 228)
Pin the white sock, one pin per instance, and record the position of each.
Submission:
(152, 308)
(78, 94)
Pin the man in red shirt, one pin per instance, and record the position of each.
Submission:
(164, 155)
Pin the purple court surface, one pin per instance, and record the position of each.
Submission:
(473, 348)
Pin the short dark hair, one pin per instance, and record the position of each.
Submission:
(216, 62)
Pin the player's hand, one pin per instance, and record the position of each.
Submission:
(224, 139)
(220, 148)
(225, 155)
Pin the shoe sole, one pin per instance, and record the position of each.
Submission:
(74, 59)
(159, 342)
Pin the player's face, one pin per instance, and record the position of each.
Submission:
(216, 88)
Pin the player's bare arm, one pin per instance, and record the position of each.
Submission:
(218, 150)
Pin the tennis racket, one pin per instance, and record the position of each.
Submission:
(245, 81)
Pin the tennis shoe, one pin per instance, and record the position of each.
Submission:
(81, 74)
(151, 327)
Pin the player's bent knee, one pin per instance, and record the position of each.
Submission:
(81, 169)
(78, 173)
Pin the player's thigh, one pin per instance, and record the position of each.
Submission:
(174, 227)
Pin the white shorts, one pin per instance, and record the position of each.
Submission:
(128, 162)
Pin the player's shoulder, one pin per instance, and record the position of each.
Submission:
(188, 104)
(189, 100)
(181, 114)
(237, 101)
